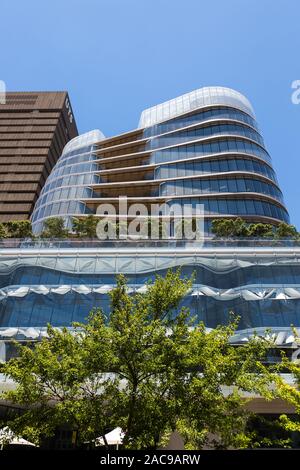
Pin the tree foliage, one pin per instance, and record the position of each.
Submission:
(3, 231)
(284, 230)
(260, 230)
(290, 391)
(16, 229)
(54, 228)
(19, 229)
(147, 368)
(232, 228)
(229, 227)
(85, 226)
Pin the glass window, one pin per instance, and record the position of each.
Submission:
(162, 189)
(188, 186)
(232, 145)
(72, 207)
(73, 180)
(224, 165)
(260, 187)
(250, 206)
(87, 178)
(232, 186)
(206, 148)
(206, 167)
(215, 147)
(223, 185)
(222, 206)
(213, 206)
(232, 165)
(50, 197)
(189, 168)
(274, 212)
(248, 165)
(241, 165)
(241, 145)
(241, 187)
(258, 207)
(197, 186)
(41, 213)
(87, 192)
(67, 170)
(215, 167)
(62, 208)
(214, 186)
(224, 146)
(267, 209)
(47, 210)
(178, 186)
(231, 206)
(57, 195)
(64, 193)
(241, 207)
(249, 185)
(80, 179)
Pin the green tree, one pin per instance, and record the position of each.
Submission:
(290, 392)
(149, 331)
(147, 368)
(85, 226)
(3, 231)
(54, 228)
(57, 386)
(78, 226)
(230, 228)
(214, 404)
(19, 229)
(284, 230)
(239, 228)
(90, 225)
(261, 230)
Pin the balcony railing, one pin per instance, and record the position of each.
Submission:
(207, 242)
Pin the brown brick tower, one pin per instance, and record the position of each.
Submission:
(34, 128)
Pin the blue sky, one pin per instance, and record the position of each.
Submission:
(118, 57)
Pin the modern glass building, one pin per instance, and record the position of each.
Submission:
(204, 146)
(201, 148)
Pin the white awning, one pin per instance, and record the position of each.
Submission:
(7, 437)
(114, 437)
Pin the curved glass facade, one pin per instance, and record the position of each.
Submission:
(216, 146)
(202, 132)
(211, 166)
(221, 185)
(39, 286)
(202, 148)
(70, 182)
(216, 113)
(237, 207)
(187, 142)
(196, 99)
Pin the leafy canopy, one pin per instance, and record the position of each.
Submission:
(290, 391)
(54, 228)
(232, 228)
(147, 367)
(85, 227)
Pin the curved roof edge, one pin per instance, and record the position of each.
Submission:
(88, 138)
(195, 99)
